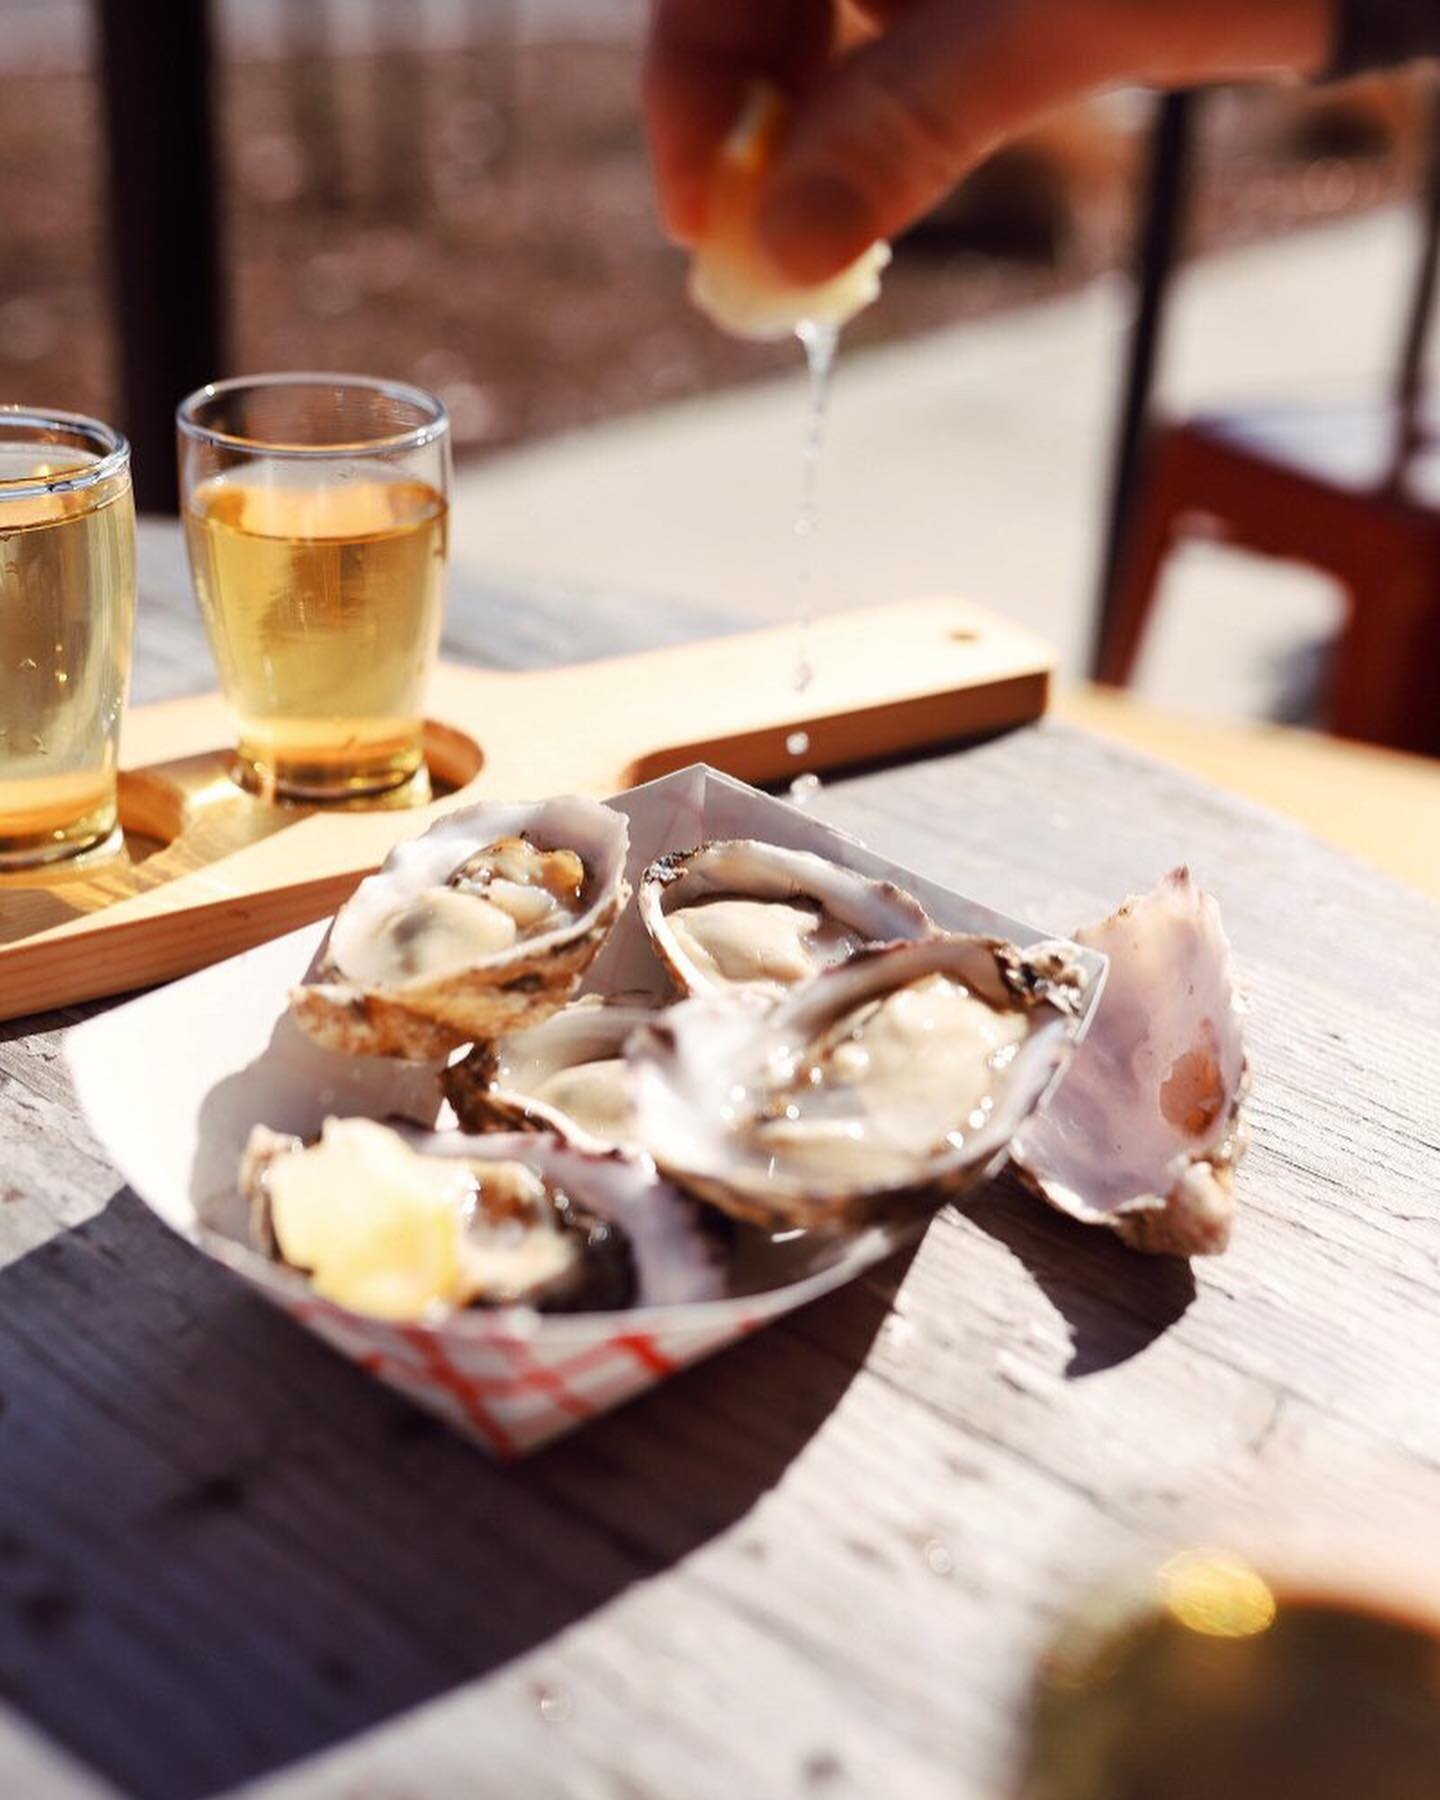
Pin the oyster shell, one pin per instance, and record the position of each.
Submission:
(565, 1075)
(484, 924)
(746, 916)
(402, 1224)
(1144, 1132)
(898, 1076)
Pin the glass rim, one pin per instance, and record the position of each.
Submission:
(112, 446)
(434, 427)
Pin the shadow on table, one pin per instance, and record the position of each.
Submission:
(1115, 1301)
(223, 1547)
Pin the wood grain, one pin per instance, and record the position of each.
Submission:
(818, 1566)
(1380, 804)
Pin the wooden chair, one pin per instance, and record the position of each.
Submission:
(1353, 491)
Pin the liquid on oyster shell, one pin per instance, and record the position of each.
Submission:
(1144, 1133)
(900, 1074)
(746, 916)
(565, 1075)
(401, 1224)
(731, 278)
(917, 1066)
(485, 923)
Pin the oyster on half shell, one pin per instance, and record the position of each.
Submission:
(485, 923)
(743, 916)
(898, 1076)
(402, 1224)
(1144, 1133)
(565, 1075)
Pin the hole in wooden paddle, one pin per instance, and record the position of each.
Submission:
(453, 757)
(177, 818)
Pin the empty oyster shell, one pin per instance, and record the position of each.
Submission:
(1144, 1132)
(898, 1076)
(485, 923)
(403, 1224)
(746, 916)
(731, 278)
(565, 1075)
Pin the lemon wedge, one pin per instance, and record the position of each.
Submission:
(379, 1228)
(731, 280)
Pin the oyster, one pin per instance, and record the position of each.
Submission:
(485, 923)
(899, 1075)
(1144, 1132)
(746, 916)
(565, 1075)
(411, 1225)
(731, 278)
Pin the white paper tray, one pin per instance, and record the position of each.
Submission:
(172, 1083)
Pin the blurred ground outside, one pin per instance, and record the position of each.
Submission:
(456, 192)
(974, 460)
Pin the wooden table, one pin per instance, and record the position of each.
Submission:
(1369, 800)
(822, 1563)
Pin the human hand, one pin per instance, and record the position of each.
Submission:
(895, 100)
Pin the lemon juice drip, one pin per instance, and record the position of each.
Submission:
(818, 342)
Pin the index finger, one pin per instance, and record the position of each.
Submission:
(700, 60)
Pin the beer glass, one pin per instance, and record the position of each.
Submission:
(315, 517)
(1293, 1649)
(67, 618)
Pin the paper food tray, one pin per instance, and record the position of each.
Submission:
(171, 1084)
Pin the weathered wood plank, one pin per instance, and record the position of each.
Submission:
(819, 1565)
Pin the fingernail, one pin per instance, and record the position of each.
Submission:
(811, 226)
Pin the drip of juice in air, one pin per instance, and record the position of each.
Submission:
(819, 343)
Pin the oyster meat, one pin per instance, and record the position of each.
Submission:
(485, 923)
(901, 1074)
(565, 1075)
(749, 917)
(386, 1230)
(407, 1225)
(1144, 1133)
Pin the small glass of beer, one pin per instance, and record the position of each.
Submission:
(67, 620)
(315, 515)
(1306, 1661)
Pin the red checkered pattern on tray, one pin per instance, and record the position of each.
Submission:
(508, 1393)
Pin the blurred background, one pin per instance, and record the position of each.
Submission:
(456, 192)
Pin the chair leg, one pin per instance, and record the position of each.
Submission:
(1383, 689)
(1156, 518)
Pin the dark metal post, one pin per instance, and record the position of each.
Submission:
(156, 73)
(1410, 375)
(1162, 230)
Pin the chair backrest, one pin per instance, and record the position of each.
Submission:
(1161, 228)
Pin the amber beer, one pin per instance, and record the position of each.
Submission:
(1237, 1685)
(67, 610)
(323, 604)
(315, 516)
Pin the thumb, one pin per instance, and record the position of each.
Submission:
(892, 126)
